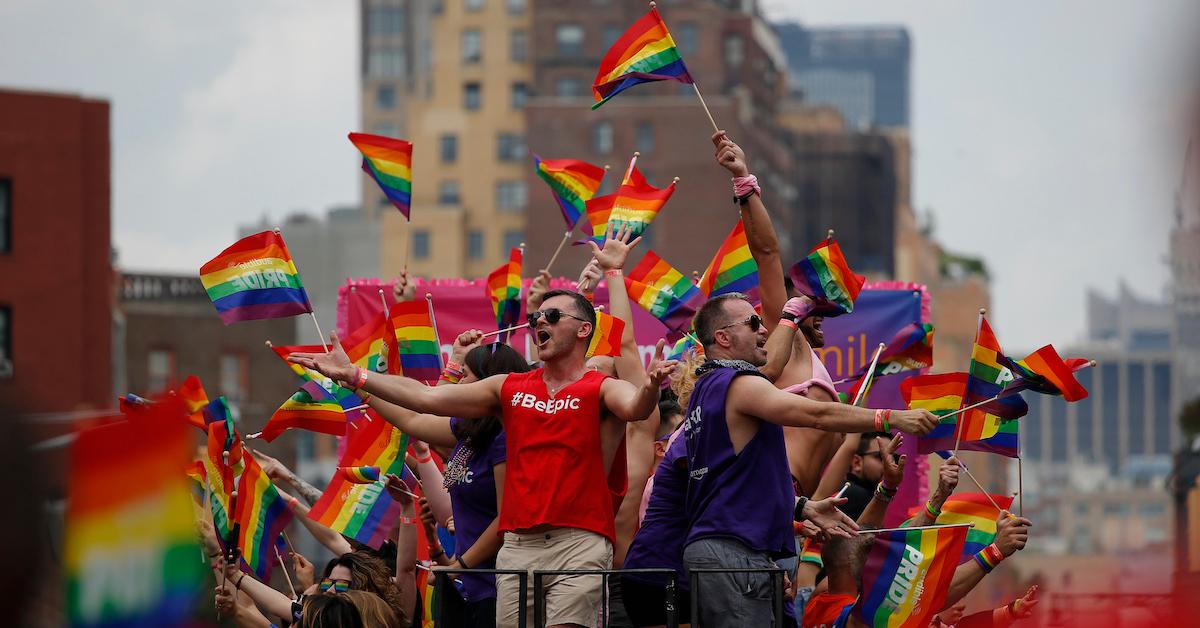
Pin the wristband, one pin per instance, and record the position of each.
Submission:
(886, 490)
(743, 187)
(933, 512)
(408, 521)
(463, 563)
(428, 458)
(887, 414)
(798, 512)
(360, 378)
(613, 272)
(879, 420)
(989, 557)
(452, 375)
(787, 322)
(798, 308)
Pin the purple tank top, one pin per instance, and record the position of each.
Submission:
(473, 501)
(658, 543)
(748, 496)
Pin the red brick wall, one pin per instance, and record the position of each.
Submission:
(57, 277)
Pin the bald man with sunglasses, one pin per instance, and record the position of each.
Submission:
(557, 511)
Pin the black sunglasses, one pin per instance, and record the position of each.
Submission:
(755, 322)
(553, 315)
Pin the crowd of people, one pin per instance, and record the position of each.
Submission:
(730, 459)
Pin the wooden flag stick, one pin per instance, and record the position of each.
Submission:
(932, 527)
(285, 571)
(436, 336)
(985, 492)
(862, 390)
(705, 105)
(1020, 490)
(566, 236)
(319, 334)
(506, 329)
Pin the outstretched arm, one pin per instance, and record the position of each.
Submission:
(635, 403)
(1011, 535)
(332, 541)
(755, 396)
(279, 472)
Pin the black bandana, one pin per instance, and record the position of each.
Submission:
(712, 365)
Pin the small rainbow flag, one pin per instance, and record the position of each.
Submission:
(130, 556)
(367, 347)
(826, 277)
(606, 339)
(573, 183)
(261, 514)
(360, 475)
(346, 397)
(635, 204)
(389, 162)
(1044, 372)
(907, 575)
(664, 292)
(255, 279)
(910, 349)
(364, 512)
(644, 53)
(504, 289)
(987, 377)
(943, 394)
(417, 352)
(221, 475)
(311, 408)
(970, 508)
(733, 268)
(684, 347)
(191, 392)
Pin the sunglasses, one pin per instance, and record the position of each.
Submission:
(339, 586)
(553, 315)
(755, 322)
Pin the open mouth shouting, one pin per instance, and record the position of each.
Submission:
(541, 337)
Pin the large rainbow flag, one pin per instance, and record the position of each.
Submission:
(364, 512)
(973, 508)
(1044, 372)
(255, 279)
(907, 575)
(733, 268)
(644, 53)
(389, 162)
(825, 276)
(130, 556)
(261, 514)
(572, 182)
(943, 394)
(635, 205)
(606, 338)
(504, 289)
(664, 292)
(417, 354)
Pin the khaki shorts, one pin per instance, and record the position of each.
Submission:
(569, 599)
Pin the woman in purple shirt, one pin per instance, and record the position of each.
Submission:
(474, 477)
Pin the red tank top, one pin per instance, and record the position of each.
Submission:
(555, 470)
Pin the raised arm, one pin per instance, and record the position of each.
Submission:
(893, 473)
(1011, 535)
(331, 539)
(469, 401)
(426, 427)
(783, 337)
(834, 476)
(760, 233)
(755, 396)
(431, 483)
(611, 260)
(280, 474)
(947, 482)
(406, 547)
(635, 403)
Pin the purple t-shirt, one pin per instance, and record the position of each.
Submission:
(473, 500)
(658, 544)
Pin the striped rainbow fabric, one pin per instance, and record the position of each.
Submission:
(733, 268)
(974, 508)
(128, 508)
(907, 575)
(1043, 371)
(504, 290)
(644, 53)
(389, 162)
(417, 355)
(986, 378)
(368, 346)
(635, 205)
(825, 276)
(943, 394)
(311, 408)
(606, 339)
(361, 475)
(665, 293)
(572, 182)
(261, 514)
(364, 512)
(345, 397)
(255, 279)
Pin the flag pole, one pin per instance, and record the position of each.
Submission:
(566, 236)
(383, 300)
(1020, 490)
(436, 336)
(862, 390)
(958, 425)
(285, 571)
(506, 329)
(977, 484)
(931, 527)
(716, 129)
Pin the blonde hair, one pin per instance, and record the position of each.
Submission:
(374, 611)
(685, 378)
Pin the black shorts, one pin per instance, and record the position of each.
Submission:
(646, 602)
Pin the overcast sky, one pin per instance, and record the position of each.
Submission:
(1041, 131)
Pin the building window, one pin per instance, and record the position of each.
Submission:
(569, 39)
(519, 44)
(516, 7)
(510, 146)
(735, 50)
(233, 376)
(1164, 426)
(471, 96)
(520, 95)
(5, 215)
(160, 370)
(512, 240)
(475, 244)
(472, 46)
(568, 87)
(449, 148)
(612, 33)
(448, 193)
(1110, 451)
(510, 195)
(473, 5)
(385, 21)
(602, 137)
(386, 62)
(645, 137)
(420, 244)
(386, 129)
(685, 37)
(6, 365)
(385, 97)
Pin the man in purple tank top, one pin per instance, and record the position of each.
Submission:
(740, 503)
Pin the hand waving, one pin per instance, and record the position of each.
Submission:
(616, 248)
(660, 369)
(335, 365)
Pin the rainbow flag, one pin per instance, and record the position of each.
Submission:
(943, 394)
(367, 347)
(417, 354)
(572, 182)
(644, 53)
(389, 162)
(261, 514)
(664, 292)
(311, 408)
(364, 512)
(826, 277)
(1044, 372)
(223, 463)
(191, 392)
(504, 289)
(255, 279)
(910, 349)
(635, 204)
(606, 339)
(345, 397)
(732, 269)
(682, 348)
(969, 508)
(130, 556)
(360, 475)
(986, 378)
(907, 575)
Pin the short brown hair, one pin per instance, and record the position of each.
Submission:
(711, 317)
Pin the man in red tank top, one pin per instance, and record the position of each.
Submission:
(556, 510)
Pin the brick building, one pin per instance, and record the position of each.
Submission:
(55, 271)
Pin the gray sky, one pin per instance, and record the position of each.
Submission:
(1041, 130)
